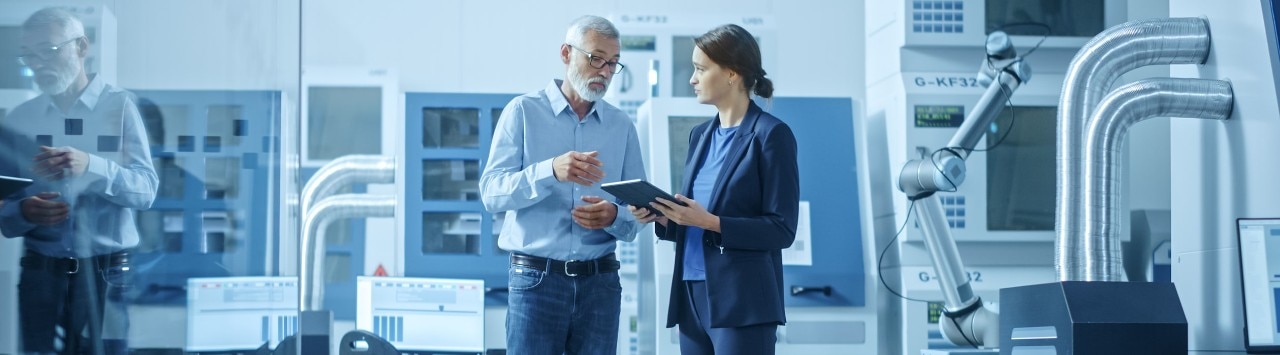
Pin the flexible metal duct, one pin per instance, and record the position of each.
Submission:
(1089, 77)
(1105, 137)
(311, 257)
(344, 171)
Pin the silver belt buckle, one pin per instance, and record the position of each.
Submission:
(76, 263)
(566, 268)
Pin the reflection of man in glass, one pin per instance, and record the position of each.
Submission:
(92, 170)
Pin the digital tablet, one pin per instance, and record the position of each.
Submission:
(638, 193)
(10, 185)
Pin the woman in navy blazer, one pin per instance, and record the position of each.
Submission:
(740, 199)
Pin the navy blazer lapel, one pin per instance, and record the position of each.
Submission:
(746, 132)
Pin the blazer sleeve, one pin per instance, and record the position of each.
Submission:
(775, 228)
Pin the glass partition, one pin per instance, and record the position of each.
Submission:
(175, 156)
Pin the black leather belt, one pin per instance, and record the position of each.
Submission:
(571, 268)
(36, 261)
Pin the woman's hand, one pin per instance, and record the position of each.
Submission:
(644, 215)
(691, 214)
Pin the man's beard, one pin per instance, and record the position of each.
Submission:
(64, 75)
(582, 85)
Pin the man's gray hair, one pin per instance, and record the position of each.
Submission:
(579, 29)
(46, 17)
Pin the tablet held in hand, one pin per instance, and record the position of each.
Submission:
(638, 193)
(10, 185)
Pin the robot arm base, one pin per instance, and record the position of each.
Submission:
(976, 326)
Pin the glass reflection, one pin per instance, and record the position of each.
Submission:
(451, 233)
(85, 145)
(450, 127)
(166, 190)
(451, 180)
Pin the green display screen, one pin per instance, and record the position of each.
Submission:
(939, 116)
(935, 312)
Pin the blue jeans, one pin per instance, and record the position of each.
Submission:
(88, 306)
(551, 313)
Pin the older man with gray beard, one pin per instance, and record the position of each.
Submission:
(551, 149)
(93, 169)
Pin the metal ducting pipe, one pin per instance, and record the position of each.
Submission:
(1089, 77)
(344, 171)
(1105, 137)
(311, 256)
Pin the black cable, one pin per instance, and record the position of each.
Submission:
(954, 187)
(971, 342)
(1048, 30)
(880, 272)
(1013, 118)
(880, 262)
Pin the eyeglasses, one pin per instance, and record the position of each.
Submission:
(600, 62)
(44, 54)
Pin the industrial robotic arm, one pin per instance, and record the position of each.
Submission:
(967, 321)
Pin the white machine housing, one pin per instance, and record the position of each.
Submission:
(657, 50)
(926, 53)
(1226, 170)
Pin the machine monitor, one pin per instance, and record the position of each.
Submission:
(1078, 18)
(1260, 279)
(423, 314)
(240, 313)
(1021, 169)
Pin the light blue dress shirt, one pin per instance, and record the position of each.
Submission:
(118, 180)
(533, 130)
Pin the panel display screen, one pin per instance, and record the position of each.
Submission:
(1260, 281)
(939, 115)
(639, 43)
(240, 313)
(678, 135)
(435, 315)
(1060, 18)
(343, 121)
(1021, 170)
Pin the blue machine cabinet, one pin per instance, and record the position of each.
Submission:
(829, 181)
(217, 154)
(448, 233)
(826, 156)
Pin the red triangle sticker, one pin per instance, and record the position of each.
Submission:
(380, 271)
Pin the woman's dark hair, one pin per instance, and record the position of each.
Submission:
(732, 47)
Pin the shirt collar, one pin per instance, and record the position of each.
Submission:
(559, 104)
(89, 97)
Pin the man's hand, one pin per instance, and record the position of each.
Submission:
(580, 168)
(598, 213)
(41, 209)
(644, 215)
(60, 163)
